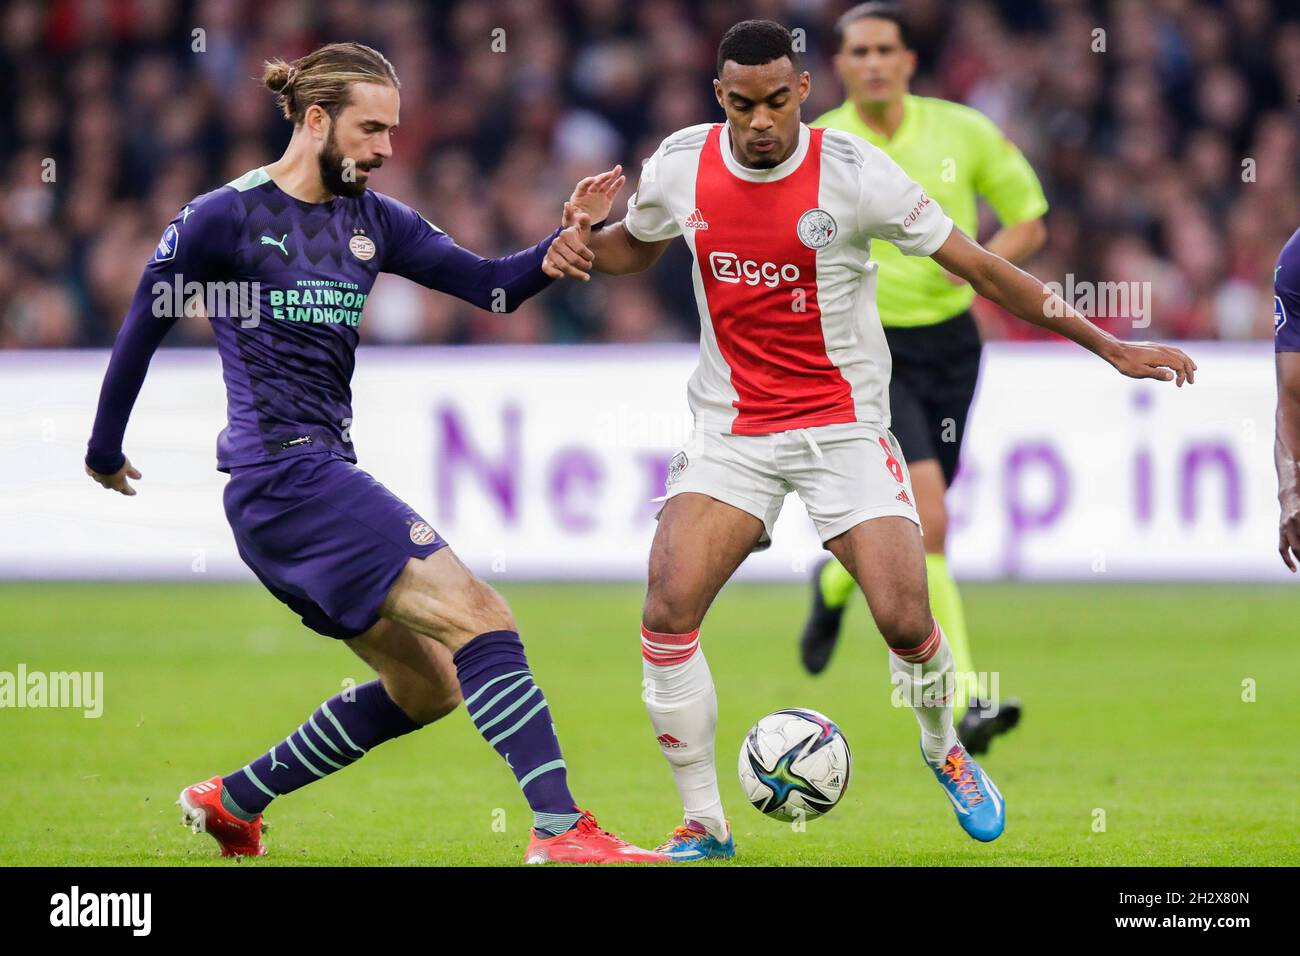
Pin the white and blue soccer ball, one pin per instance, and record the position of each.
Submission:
(794, 764)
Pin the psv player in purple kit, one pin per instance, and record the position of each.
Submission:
(303, 240)
(1286, 445)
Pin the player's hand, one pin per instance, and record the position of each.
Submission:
(568, 255)
(1288, 531)
(595, 194)
(1153, 360)
(118, 480)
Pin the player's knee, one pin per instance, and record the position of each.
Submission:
(667, 613)
(481, 610)
(904, 625)
(496, 612)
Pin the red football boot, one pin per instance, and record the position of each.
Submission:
(201, 810)
(587, 843)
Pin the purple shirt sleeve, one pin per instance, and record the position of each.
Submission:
(420, 251)
(194, 247)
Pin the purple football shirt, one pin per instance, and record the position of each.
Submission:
(284, 283)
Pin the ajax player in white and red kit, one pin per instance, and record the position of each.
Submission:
(791, 394)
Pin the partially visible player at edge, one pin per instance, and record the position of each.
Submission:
(791, 394)
(957, 155)
(353, 560)
(1286, 444)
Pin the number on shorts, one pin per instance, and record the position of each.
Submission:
(891, 461)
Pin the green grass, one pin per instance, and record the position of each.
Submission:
(1133, 705)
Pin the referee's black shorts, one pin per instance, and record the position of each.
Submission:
(935, 370)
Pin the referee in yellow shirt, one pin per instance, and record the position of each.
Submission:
(957, 154)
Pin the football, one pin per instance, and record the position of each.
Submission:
(794, 764)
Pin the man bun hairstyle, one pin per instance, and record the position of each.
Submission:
(755, 42)
(324, 76)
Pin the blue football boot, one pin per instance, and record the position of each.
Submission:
(691, 841)
(978, 803)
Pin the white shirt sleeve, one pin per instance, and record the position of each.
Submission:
(648, 216)
(894, 207)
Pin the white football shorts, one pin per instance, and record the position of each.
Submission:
(844, 474)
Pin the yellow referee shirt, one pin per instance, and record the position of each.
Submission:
(956, 153)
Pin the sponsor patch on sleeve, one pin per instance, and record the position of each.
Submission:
(171, 238)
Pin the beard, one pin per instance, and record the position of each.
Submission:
(333, 167)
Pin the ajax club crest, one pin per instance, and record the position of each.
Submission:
(677, 466)
(816, 228)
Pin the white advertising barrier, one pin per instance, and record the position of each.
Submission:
(544, 463)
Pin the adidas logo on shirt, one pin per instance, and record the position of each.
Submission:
(695, 220)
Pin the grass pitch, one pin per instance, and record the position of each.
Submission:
(1137, 747)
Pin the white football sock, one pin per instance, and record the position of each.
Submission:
(683, 707)
(926, 676)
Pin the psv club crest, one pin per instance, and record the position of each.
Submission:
(421, 533)
(362, 246)
(816, 228)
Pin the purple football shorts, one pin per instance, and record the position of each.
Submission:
(325, 537)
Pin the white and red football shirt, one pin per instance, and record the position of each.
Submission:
(789, 333)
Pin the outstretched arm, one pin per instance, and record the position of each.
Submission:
(195, 247)
(1286, 456)
(637, 242)
(612, 250)
(425, 254)
(618, 252)
(498, 284)
(1028, 299)
(142, 332)
(1017, 243)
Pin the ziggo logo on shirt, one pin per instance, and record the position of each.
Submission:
(729, 267)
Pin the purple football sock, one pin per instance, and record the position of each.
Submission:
(340, 732)
(510, 712)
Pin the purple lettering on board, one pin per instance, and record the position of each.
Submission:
(455, 452)
(574, 487)
(1143, 478)
(1143, 469)
(1025, 519)
(1195, 458)
(961, 495)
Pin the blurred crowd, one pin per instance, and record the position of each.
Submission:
(1166, 134)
